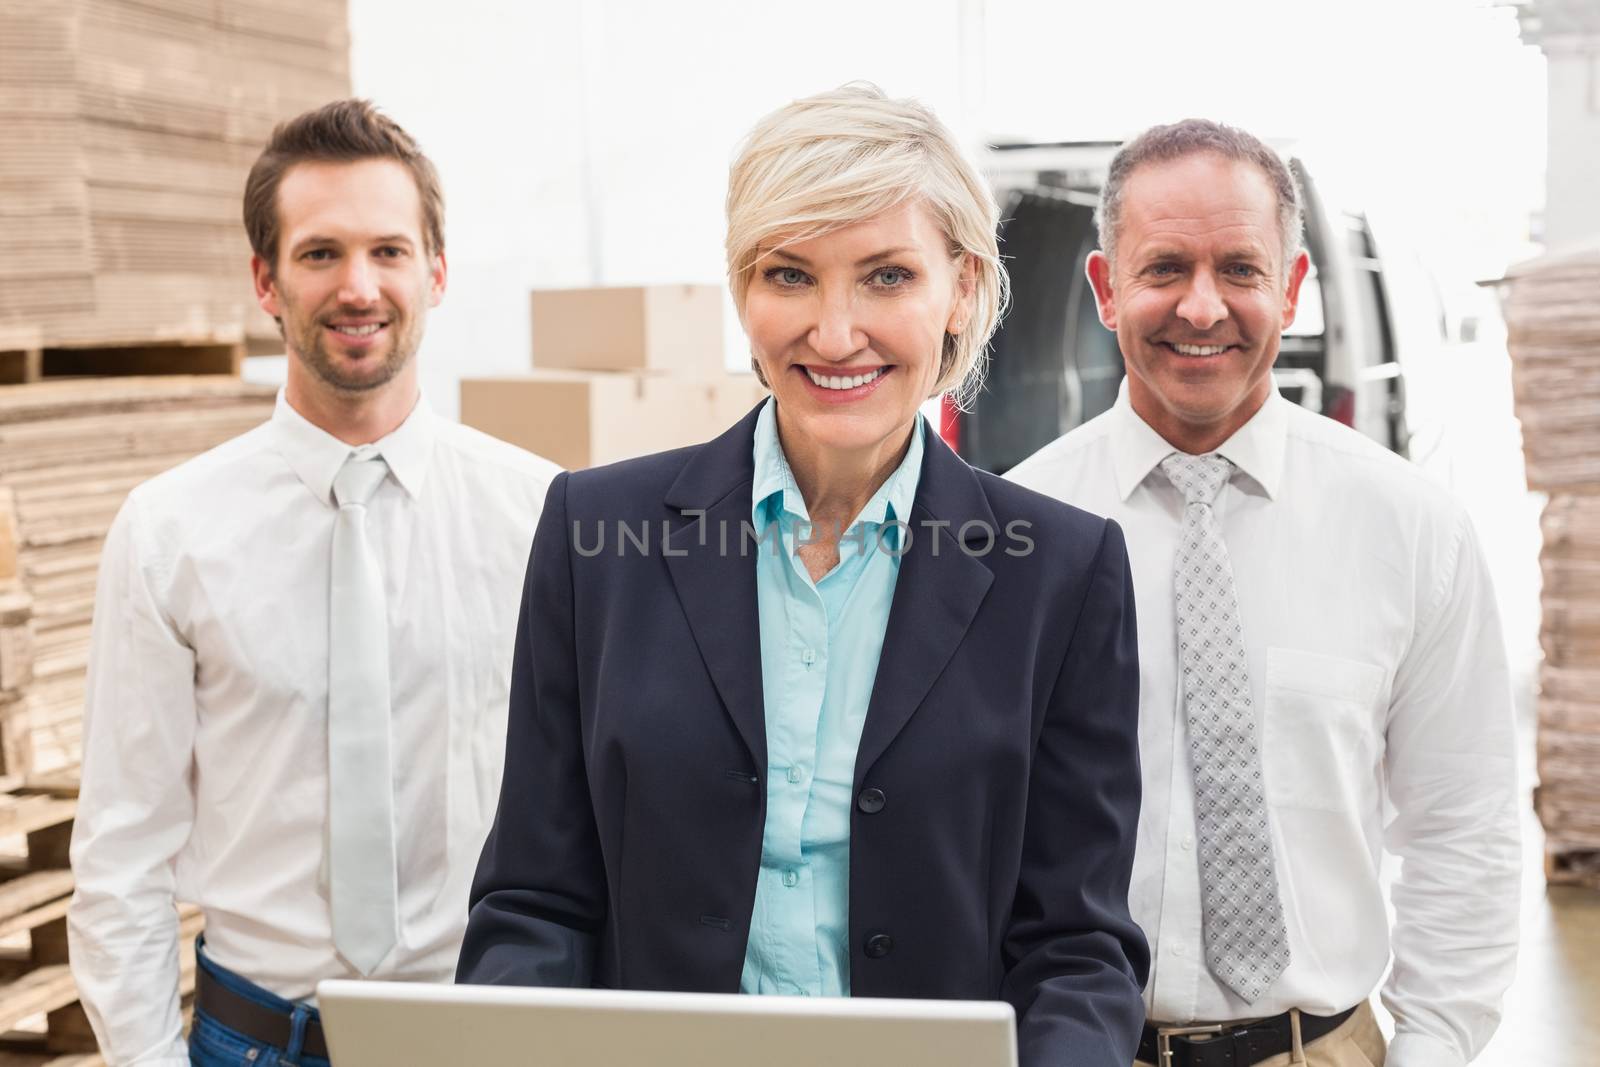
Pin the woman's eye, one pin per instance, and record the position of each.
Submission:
(787, 277)
(890, 277)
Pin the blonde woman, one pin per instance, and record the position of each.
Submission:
(816, 708)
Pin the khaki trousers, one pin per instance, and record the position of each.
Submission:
(1357, 1043)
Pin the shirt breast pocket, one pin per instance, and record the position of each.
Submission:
(1323, 731)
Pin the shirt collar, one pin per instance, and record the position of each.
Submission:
(772, 474)
(317, 456)
(1256, 448)
(774, 479)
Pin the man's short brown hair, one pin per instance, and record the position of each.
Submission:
(345, 131)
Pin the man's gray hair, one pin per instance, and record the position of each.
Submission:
(1163, 144)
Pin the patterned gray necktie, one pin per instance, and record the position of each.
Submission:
(1247, 945)
(363, 889)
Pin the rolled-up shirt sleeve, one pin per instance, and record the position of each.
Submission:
(1451, 776)
(135, 809)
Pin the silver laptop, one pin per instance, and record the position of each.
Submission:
(380, 1024)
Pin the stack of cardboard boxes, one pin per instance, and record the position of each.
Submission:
(70, 451)
(620, 372)
(1553, 320)
(126, 132)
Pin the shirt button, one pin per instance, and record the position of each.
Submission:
(808, 657)
(795, 774)
(1188, 843)
(791, 877)
(1177, 950)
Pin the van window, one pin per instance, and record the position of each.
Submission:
(1373, 339)
(1095, 353)
(1308, 318)
(1380, 411)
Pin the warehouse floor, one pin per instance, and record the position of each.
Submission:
(1551, 1017)
(1552, 1011)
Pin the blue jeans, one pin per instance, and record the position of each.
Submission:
(213, 1045)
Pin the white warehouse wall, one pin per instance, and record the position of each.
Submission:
(588, 144)
(1572, 211)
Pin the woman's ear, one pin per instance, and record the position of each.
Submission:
(966, 290)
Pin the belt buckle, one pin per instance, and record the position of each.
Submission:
(1165, 1034)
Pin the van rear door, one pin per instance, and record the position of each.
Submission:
(1052, 365)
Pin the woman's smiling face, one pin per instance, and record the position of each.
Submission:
(849, 327)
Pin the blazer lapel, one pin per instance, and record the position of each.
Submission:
(941, 583)
(714, 574)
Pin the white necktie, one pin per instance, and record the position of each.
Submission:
(361, 838)
(1246, 943)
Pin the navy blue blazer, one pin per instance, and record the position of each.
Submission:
(997, 779)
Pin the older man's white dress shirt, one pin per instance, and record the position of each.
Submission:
(1377, 668)
(205, 774)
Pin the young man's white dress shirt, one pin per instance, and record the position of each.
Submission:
(205, 774)
(1378, 671)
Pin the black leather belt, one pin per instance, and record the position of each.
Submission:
(255, 1021)
(1232, 1044)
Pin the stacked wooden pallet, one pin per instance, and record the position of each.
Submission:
(42, 1023)
(1553, 319)
(69, 453)
(126, 131)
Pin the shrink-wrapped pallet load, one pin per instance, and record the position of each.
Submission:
(1552, 311)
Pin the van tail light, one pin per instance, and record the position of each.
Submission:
(950, 423)
(1339, 404)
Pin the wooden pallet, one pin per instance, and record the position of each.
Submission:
(21, 353)
(34, 1059)
(35, 889)
(33, 901)
(1572, 866)
(20, 365)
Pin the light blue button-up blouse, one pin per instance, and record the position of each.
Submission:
(820, 643)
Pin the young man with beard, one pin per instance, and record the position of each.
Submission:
(299, 672)
(1322, 677)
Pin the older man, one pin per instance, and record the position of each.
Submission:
(302, 645)
(1322, 673)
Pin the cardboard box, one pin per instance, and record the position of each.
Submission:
(583, 419)
(663, 328)
(732, 397)
(1553, 335)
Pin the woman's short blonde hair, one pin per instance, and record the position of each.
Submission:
(840, 157)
